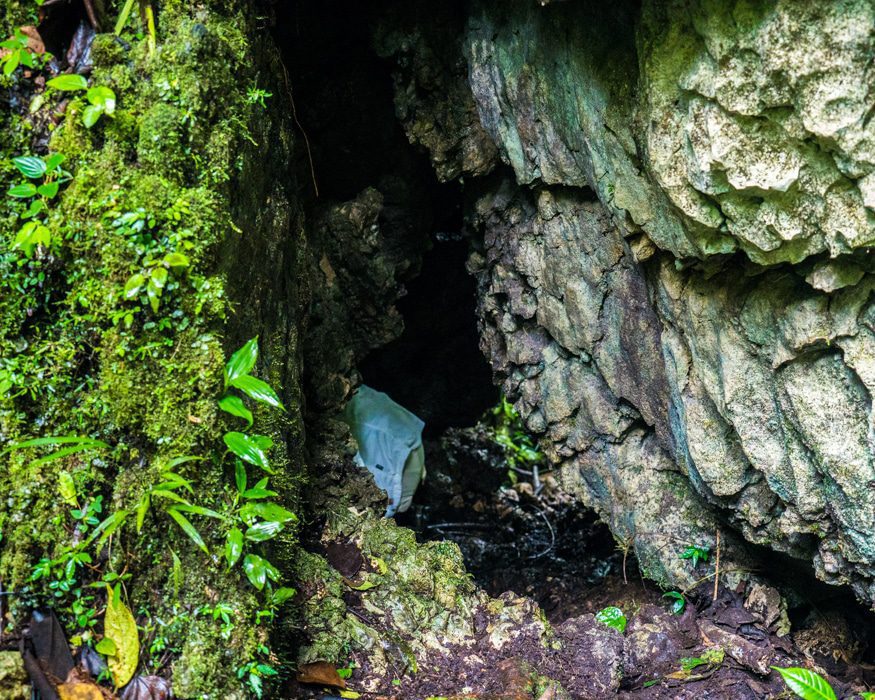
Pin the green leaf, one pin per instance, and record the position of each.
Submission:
(176, 260)
(53, 161)
(102, 97)
(142, 509)
(257, 389)
(281, 595)
(806, 684)
(154, 295)
(867, 696)
(266, 511)
(48, 190)
(256, 570)
(240, 476)
(69, 82)
(247, 449)
(67, 488)
(188, 528)
(106, 647)
(11, 63)
(261, 532)
(22, 191)
(199, 510)
(612, 617)
(365, 586)
(31, 235)
(91, 115)
(63, 440)
(134, 286)
(119, 626)
(233, 546)
(258, 492)
(177, 479)
(36, 206)
(242, 361)
(123, 16)
(678, 601)
(106, 528)
(158, 277)
(30, 166)
(235, 406)
(177, 573)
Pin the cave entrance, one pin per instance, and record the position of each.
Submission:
(515, 527)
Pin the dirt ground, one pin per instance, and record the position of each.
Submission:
(535, 541)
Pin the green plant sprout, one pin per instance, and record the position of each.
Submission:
(696, 554)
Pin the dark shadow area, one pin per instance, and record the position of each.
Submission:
(435, 368)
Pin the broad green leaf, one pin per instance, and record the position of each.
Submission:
(102, 96)
(263, 531)
(266, 511)
(134, 286)
(36, 206)
(154, 295)
(867, 696)
(48, 190)
(67, 488)
(31, 235)
(119, 626)
(91, 115)
(806, 684)
(30, 166)
(247, 449)
(233, 546)
(158, 277)
(176, 260)
(54, 160)
(612, 617)
(256, 570)
(11, 63)
(235, 406)
(22, 191)
(69, 82)
(242, 361)
(188, 528)
(257, 389)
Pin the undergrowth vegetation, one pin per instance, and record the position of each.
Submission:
(115, 398)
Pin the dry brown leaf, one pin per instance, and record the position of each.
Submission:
(320, 673)
(78, 690)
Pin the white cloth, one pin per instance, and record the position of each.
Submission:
(387, 435)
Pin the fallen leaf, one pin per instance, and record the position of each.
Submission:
(320, 673)
(79, 691)
(119, 626)
(147, 688)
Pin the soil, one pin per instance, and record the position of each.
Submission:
(538, 542)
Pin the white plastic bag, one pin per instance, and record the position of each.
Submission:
(389, 439)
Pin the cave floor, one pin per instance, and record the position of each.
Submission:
(531, 540)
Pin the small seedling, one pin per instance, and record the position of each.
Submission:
(696, 553)
(806, 684)
(612, 617)
(18, 54)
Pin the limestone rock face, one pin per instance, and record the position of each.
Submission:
(675, 279)
(713, 127)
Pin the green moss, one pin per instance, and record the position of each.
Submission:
(76, 357)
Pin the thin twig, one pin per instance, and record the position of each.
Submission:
(552, 535)
(717, 566)
(303, 133)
